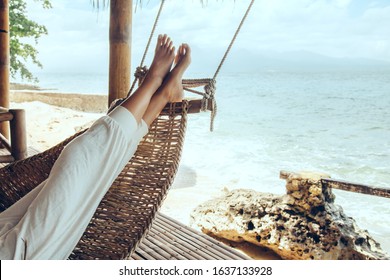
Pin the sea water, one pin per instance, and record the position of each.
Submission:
(336, 122)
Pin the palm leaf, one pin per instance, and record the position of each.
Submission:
(104, 3)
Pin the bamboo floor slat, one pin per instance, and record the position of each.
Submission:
(169, 239)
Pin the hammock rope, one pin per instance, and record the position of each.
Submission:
(233, 39)
(141, 70)
(209, 85)
(128, 209)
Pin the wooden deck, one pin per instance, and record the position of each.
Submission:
(169, 239)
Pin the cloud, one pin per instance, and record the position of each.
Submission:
(77, 38)
(342, 3)
(326, 27)
(78, 34)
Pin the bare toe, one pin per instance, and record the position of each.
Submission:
(159, 42)
(163, 57)
(173, 84)
(183, 58)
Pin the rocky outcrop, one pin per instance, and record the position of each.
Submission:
(303, 224)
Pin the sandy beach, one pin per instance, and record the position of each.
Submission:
(48, 125)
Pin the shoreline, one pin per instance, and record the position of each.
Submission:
(52, 117)
(90, 103)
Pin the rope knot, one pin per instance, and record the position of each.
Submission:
(209, 89)
(140, 72)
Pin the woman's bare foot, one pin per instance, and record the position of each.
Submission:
(172, 89)
(172, 86)
(163, 59)
(138, 102)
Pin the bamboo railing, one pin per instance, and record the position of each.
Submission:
(17, 147)
(348, 186)
(355, 187)
(4, 62)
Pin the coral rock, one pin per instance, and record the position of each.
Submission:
(303, 224)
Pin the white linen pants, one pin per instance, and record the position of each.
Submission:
(48, 222)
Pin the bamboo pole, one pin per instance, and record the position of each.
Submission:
(6, 143)
(355, 187)
(6, 116)
(120, 49)
(18, 134)
(4, 63)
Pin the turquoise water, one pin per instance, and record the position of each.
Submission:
(333, 122)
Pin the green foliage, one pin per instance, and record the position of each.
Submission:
(21, 28)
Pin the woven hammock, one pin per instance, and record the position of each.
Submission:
(127, 210)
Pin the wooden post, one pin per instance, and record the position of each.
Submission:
(120, 49)
(18, 134)
(4, 62)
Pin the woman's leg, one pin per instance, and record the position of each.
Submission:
(12, 215)
(139, 101)
(172, 89)
(56, 219)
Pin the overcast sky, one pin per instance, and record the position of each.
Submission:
(78, 33)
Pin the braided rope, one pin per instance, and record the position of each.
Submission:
(152, 32)
(146, 49)
(233, 40)
(188, 84)
(140, 73)
(209, 96)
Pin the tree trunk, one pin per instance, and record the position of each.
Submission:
(120, 49)
(4, 62)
